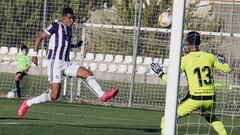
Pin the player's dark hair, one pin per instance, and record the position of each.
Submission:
(67, 10)
(24, 47)
(193, 38)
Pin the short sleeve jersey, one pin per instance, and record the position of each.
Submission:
(60, 41)
(22, 62)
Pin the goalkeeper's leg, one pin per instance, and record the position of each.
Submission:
(185, 108)
(18, 78)
(162, 125)
(217, 125)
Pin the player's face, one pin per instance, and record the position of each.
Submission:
(24, 51)
(188, 47)
(68, 20)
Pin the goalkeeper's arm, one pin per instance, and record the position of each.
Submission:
(158, 69)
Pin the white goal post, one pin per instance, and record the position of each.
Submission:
(174, 67)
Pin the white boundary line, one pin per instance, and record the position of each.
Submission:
(71, 115)
(85, 116)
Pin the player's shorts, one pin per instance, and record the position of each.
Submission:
(57, 69)
(189, 105)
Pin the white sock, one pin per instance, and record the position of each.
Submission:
(39, 99)
(94, 85)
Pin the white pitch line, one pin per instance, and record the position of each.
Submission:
(18, 123)
(80, 115)
(86, 116)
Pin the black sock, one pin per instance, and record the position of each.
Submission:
(18, 89)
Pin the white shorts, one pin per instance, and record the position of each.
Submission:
(58, 68)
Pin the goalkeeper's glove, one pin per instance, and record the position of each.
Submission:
(157, 69)
(221, 58)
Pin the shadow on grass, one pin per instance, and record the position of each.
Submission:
(15, 118)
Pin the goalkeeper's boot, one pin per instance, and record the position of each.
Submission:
(23, 108)
(109, 94)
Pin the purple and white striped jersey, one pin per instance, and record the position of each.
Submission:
(60, 41)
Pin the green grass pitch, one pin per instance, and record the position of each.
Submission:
(82, 119)
(76, 119)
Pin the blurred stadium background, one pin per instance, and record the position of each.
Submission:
(107, 29)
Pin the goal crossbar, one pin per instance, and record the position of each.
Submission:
(157, 29)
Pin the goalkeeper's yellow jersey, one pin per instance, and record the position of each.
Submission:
(198, 67)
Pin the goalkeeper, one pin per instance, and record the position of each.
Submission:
(23, 65)
(198, 67)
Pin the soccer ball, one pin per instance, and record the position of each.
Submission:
(10, 94)
(165, 19)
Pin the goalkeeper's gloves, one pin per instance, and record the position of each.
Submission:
(157, 69)
(221, 58)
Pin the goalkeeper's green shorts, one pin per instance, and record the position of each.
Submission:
(190, 105)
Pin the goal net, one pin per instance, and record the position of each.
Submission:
(107, 29)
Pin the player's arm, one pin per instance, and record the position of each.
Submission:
(78, 44)
(37, 42)
(47, 32)
(165, 76)
(158, 69)
(220, 64)
(39, 39)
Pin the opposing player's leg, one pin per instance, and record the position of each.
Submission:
(50, 95)
(209, 108)
(54, 77)
(92, 82)
(81, 72)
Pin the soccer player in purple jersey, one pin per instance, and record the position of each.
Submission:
(59, 64)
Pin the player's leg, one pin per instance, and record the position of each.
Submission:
(36, 100)
(219, 127)
(17, 81)
(162, 125)
(186, 107)
(54, 77)
(50, 95)
(92, 82)
(18, 78)
(209, 108)
(81, 72)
